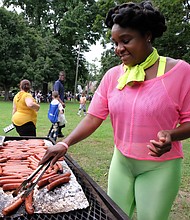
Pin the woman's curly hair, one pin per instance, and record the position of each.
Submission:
(139, 16)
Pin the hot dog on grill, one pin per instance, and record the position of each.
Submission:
(13, 207)
(58, 182)
(29, 203)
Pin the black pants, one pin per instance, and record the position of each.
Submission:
(55, 131)
(59, 129)
(28, 129)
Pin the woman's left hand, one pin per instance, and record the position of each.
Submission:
(160, 147)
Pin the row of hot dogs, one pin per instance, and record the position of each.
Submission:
(18, 159)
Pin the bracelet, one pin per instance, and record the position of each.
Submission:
(64, 144)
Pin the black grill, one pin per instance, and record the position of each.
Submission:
(101, 207)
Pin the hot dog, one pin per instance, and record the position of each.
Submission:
(10, 177)
(51, 179)
(13, 207)
(45, 181)
(58, 182)
(7, 181)
(33, 166)
(3, 160)
(60, 167)
(48, 175)
(10, 186)
(11, 174)
(29, 203)
(1, 170)
(37, 157)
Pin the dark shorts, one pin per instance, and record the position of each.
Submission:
(28, 129)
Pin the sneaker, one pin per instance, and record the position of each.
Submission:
(60, 135)
(79, 114)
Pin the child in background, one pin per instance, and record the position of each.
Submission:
(82, 104)
(61, 116)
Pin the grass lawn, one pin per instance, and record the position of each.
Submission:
(94, 153)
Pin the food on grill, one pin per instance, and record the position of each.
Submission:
(2, 160)
(13, 180)
(60, 168)
(45, 181)
(10, 186)
(18, 160)
(51, 179)
(29, 203)
(10, 177)
(13, 206)
(48, 175)
(57, 182)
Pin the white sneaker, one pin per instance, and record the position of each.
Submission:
(79, 114)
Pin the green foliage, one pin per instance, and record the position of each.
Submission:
(46, 40)
(175, 41)
(67, 24)
(108, 60)
(25, 53)
(13, 47)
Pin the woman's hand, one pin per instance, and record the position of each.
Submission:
(54, 152)
(160, 147)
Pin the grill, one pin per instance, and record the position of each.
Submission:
(101, 207)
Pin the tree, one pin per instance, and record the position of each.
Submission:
(175, 41)
(69, 22)
(12, 49)
(24, 53)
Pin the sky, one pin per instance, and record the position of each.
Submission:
(94, 53)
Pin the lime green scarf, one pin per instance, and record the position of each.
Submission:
(136, 73)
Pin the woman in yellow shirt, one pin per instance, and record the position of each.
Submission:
(25, 110)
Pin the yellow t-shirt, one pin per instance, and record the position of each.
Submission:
(23, 114)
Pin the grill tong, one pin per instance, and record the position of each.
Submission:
(28, 185)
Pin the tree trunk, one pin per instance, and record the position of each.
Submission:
(6, 97)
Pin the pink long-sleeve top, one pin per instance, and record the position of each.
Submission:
(139, 112)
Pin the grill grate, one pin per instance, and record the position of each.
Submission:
(101, 207)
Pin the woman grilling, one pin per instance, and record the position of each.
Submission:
(148, 100)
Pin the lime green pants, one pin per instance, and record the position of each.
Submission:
(149, 186)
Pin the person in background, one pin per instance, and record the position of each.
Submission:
(59, 87)
(49, 96)
(148, 100)
(38, 97)
(24, 115)
(82, 105)
(61, 114)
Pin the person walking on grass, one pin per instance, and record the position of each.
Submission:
(25, 108)
(148, 100)
(59, 87)
(56, 115)
(82, 104)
